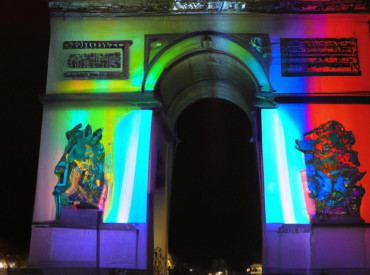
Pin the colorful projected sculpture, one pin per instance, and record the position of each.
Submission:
(80, 171)
(332, 173)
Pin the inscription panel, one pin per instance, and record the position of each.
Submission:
(319, 57)
(96, 59)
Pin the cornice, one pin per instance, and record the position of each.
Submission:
(153, 7)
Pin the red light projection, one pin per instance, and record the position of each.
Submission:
(354, 119)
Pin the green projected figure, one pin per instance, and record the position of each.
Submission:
(80, 171)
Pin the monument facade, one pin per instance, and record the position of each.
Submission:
(121, 74)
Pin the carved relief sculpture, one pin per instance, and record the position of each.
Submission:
(332, 170)
(80, 171)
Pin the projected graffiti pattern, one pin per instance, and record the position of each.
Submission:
(332, 170)
(306, 57)
(80, 171)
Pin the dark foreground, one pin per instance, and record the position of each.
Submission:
(110, 271)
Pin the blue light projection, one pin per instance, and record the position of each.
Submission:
(283, 165)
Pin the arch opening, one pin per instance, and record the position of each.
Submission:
(215, 212)
(205, 75)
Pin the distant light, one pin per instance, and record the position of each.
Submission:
(2, 265)
(191, 270)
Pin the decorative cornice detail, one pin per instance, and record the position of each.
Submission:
(138, 99)
(150, 7)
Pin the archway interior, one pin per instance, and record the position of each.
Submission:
(215, 209)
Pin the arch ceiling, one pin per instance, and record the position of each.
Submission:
(192, 43)
(204, 65)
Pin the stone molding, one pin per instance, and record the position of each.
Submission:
(152, 7)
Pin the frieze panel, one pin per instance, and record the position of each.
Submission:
(156, 43)
(143, 7)
(319, 57)
(96, 59)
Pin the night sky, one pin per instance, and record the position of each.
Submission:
(25, 41)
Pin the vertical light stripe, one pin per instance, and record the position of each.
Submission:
(283, 174)
(138, 210)
(122, 163)
(129, 169)
(292, 120)
(273, 208)
(128, 203)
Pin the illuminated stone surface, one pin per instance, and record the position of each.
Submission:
(183, 6)
(201, 40)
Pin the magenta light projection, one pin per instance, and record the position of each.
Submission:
(314, 158)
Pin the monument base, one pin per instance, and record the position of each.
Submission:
(313, 249)
(340, 247)
(330, 219)
(80, 240)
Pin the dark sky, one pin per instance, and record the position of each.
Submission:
(24, 29)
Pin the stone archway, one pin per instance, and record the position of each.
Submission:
(207, 41)
(194, 75)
